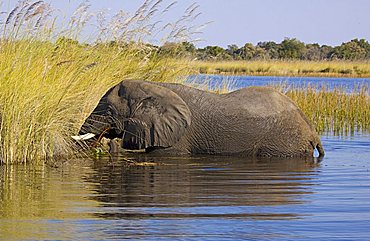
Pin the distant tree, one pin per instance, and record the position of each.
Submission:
(260, 54)
(312, 52)
(213, 53)
(247, 51)
(291, 49)
(188, 48)
(326, 52)
(362, 43)
(183, 49)
(352, 50)
(271, 48)
(234, 51)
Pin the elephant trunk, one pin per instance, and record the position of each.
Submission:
(114, 146)
(320, 149)
(316, 144)
(95, 124)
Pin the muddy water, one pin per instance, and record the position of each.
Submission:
(193, 198)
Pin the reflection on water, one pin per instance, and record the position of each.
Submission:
(204, 187)
(192, 198)
(36, 202)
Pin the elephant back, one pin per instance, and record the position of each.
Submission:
(259, 102)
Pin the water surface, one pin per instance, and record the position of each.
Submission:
(204, 198)
(236, 82)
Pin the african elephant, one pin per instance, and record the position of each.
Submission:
(177, 119)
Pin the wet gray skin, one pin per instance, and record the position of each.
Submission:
(176, 119)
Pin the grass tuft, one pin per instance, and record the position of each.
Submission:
(335, 111)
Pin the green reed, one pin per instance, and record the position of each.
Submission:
(333, 110)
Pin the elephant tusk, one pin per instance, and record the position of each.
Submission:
(83, 137)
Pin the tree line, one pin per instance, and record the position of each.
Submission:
(288, 49)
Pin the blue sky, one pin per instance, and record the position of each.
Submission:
(240, 21)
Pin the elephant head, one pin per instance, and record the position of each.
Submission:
(144, 115)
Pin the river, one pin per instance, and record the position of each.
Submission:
(236, 82)
(199, 198)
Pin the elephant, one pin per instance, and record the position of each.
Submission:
(170, 118)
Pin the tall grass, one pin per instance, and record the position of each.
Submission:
(336, 110)
(285, 68)
(50, 83)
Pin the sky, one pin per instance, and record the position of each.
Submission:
(238, 22)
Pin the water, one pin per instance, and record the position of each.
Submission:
(236, 82)
(193, 198)
(200, 198)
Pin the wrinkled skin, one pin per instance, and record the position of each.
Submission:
(177, 119)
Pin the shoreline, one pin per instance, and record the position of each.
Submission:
(288, 75)
(330, 69)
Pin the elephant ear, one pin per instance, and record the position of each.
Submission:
(158, 118)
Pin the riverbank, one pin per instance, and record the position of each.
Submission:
(285, 68)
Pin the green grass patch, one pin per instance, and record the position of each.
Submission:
(335, 111)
